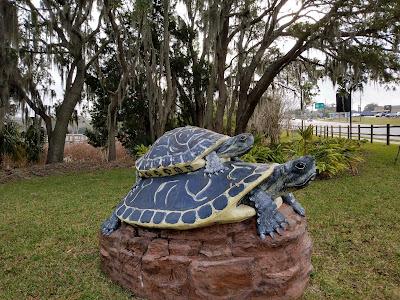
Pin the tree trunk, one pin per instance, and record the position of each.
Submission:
(57, 138)
(210, 99)
(222, 49)
(112, 127)
(57, 142)
(49, 127)
(231, 111)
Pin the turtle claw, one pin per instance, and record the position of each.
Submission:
(291, 200)
(110, 225)
(269, 219)
(299, 209)
(270, 223)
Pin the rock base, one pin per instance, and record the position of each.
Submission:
(226, 261)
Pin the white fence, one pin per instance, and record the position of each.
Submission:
(75, 138)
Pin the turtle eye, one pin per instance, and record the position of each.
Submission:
(243, 138)
(300, 166)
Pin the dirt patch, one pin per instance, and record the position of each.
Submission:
(59, 169)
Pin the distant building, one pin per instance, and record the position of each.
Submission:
(394, 109)
(338, 115)
(378, 109)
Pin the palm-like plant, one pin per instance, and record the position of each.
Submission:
(306, 135)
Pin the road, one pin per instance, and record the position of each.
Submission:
(379, 130)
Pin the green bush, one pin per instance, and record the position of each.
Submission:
(336, 155)
(22, 146)
(34, 139)
(261, 153)
(11, 142)
(141, 150)
(333, 155)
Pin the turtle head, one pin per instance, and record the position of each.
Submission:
(298, 173)
(236, 146)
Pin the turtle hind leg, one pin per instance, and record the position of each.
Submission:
(214, 164)
(110, 225)
(269, 219)
(289, 199)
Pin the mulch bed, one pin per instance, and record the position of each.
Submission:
(59, 169)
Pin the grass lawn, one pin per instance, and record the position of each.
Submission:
(368, 120)
(49, 228)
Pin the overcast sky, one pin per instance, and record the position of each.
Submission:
(372, 93)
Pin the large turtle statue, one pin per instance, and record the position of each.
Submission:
(186, 149)
(237, 192)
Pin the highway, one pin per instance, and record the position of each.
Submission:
(378, 130)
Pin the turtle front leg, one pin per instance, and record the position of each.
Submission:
(289, 199)
(269, 219)
(213, 164)
(110, 225)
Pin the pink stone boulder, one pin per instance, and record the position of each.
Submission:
(227, 261)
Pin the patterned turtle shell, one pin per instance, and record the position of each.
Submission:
(185, 201)
(178, 151)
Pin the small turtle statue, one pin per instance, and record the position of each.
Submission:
(186, 149)
(194, 199)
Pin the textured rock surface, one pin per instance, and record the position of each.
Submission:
(219, 262)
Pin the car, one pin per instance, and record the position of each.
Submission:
(367, 114)
(380, 114)
(391, 115)
(398, 114)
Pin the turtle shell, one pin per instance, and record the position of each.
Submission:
(179, 151)
(191, 200)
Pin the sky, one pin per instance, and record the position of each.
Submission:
(372, 93)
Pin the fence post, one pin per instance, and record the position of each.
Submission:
(372, 133)
(387, 134)
(351, 131)
(326, 131)
(331, 130)
(348, 131)
(316, 130)
(340, 131)
(359, 132)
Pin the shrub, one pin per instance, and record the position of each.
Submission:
(336, 155)
(261, 153)
(34, 139)
(333, 156)
(141, 150)
(11, 142)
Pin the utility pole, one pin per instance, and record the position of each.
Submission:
(302, 108)
(351, 136)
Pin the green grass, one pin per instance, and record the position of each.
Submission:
(355, 224)
(367, 120)
(49, 233)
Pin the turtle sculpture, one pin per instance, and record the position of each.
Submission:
(195, 199)
(186, 149)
